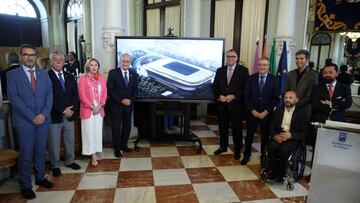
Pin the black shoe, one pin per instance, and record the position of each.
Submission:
(244, 161)
(237, 156)
(219, 151)
(126, 149)
(28, 193)
(74, 166)
(56, 172)
(118, 154)
(45, 183)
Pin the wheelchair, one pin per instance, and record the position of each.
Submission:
(294, 170)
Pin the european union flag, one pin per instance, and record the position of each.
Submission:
(282, 73)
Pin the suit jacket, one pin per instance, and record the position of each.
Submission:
(71, 67)
(119, 91)
(63, 99)
(26, 104)
(298, 125)
(265, 100)
(3, 79)
(235, 87)
(345, 78)
(86, 96)
(304, 87)
(340, 100)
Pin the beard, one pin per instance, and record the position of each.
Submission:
(328, 80)
(289, 104)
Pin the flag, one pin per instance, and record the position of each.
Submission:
(273, 59)
(256, 58)
(264, 48)
(283, 71)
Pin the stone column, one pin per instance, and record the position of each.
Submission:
(135, 25)
(196, 17)
(87, 28)
(109, 19)
(291, 26)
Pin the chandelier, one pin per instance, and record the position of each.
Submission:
(352, 35)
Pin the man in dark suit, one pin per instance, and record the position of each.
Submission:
(287, 130)
(331, 98)
(122, 89)
(228, 86)
(12, 60)
(302, 79)
(65, 104)
(344, 77)
(30, 95)
(261, 96)
(73, 65)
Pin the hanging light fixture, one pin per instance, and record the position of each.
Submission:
(352, 35)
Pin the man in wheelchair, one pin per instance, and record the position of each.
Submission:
(287, 131)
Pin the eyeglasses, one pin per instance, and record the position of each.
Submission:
(29, 55)
(231, 56)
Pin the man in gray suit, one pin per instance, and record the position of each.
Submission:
(302, 79)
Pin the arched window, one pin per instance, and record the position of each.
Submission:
(22, 22)
(160, 15)
(320, 49)
(18, 8)
(74, 9)
(74, 22)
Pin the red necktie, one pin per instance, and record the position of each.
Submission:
(33, 81)
(230, 72)
(331, 91)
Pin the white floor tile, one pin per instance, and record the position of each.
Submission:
(186, 143)
(98, 180)
(236, 173)
(197, 161)
(204, 133)
(164, 151)
(135, 164)
(215, 192)
(213, 127)
(279, 189)
(53, 197)
(135, 195)
(170, 177)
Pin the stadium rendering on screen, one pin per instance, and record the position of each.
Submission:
(173, 68)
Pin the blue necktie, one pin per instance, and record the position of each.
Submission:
(262, 83)
(62, 82)
(126, 79)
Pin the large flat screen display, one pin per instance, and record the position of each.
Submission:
(173, 68)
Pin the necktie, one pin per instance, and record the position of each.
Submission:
(33, 81)
(126, 79)
(230, 72)
(262, 83)
(331, 91)
(62, 82)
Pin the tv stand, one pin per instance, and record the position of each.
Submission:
(184, 135)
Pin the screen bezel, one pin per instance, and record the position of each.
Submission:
(169, 38)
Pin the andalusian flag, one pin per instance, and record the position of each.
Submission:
(273, 60)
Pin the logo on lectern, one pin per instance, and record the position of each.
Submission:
(342, 137)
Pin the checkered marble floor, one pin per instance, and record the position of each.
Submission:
(165, 172)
